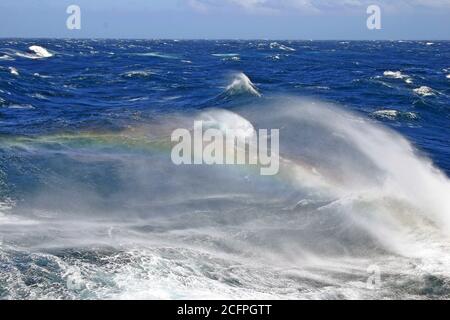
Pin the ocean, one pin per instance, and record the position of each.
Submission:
(92, 207)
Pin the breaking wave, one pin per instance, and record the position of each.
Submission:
(398, 75)
(242, 84)
(424, 91)
(394, 114)
(6, 57)
(156, 55)
(349, 194)
(36, 52)
(137, 74)
(40, 51)
(13, 71)
(276, 45)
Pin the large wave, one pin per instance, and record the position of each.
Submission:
(349, 194)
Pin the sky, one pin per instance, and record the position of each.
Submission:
(227, 19)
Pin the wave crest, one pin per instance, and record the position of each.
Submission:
(37, 52)
(242, 84)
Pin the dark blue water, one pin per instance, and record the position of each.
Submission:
(90, 209)
(90, 83)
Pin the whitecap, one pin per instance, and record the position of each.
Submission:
(276, 45)
(20, 106)
(37, 52)
(171, 98)
(397, 75)
(394, 74)
(27, 55)
(156, 55)
(225, 55)
(391, 114)
(448, 76)
(40, 51)
(39, 96)
(138, 99)
(286, 48)
(411, 115)
(424, 91)
(13, 71)
(241, 83)
(6, 57)
(137, 73)
(40, 75)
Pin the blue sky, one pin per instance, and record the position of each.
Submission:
(230, 19)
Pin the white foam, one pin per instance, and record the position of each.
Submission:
(276, 45)
(20, 106)
(391, 114)
(13, 71)
(359, 193)
(225, 55)
(137, 73)
(424, 91)
(40, 75)
(39, 96)
(286, 48)
(6, 57)
(241, 83)
(397, 75)
(138, 99)
(37, 52)
(27, 55)
(156, 55)
(40, 51)
(394, 74)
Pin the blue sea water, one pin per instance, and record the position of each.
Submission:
(91, 207)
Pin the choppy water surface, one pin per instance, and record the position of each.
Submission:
(92, 207)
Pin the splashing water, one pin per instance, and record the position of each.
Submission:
(349, 194)
(92, 207)
(242, 84)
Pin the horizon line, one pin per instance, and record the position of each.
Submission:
(216, 39)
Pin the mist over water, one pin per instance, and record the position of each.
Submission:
(336, 207)
(102, 212)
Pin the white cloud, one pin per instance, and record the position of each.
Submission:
(311, 6)
(198, 5)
